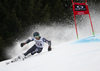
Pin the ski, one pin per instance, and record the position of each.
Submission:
(22, 58)
(13, 60)
(17, 59)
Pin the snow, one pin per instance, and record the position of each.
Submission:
(79, 55)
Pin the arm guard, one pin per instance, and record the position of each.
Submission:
(49, 43)
(28, 41)
(45, 40)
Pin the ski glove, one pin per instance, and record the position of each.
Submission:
(22, 44)
(49, 48)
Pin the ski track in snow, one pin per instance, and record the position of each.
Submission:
(80, 55)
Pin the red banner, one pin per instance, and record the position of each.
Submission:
(80, 9)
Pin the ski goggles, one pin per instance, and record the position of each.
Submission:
(36, 36)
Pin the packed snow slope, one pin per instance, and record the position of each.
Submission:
(80, 55)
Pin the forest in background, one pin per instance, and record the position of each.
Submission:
(17, 15)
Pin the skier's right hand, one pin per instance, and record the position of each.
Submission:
(49, 48)
(22, 44)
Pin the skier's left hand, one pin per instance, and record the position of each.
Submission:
(49, 48)
(22, 44)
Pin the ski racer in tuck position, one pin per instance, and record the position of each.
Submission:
(38, 46)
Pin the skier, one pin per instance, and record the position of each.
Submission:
(38, 46)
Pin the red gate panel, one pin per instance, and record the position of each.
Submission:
(80, 9)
